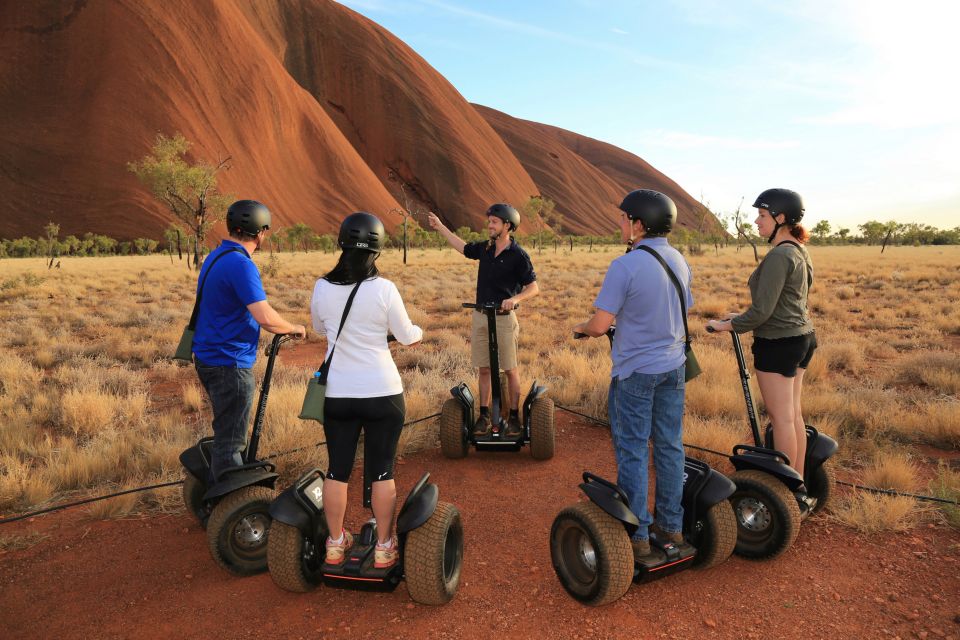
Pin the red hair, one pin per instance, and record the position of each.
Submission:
(800, 233)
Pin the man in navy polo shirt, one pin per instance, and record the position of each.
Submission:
(647, 379)
(233, 308)
(505, 277)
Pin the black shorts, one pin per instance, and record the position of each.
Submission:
(783, 355)
(381, 420)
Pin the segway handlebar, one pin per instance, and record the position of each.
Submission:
(486, 306)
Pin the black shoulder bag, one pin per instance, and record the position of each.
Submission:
(185, 348)
(691, 367)
(316, 395)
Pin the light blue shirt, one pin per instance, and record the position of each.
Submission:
(638, 291)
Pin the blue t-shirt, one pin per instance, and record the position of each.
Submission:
(637, 290)
(226, 333)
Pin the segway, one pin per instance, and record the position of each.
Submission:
(430, 535)
(457, 417)
(766, 502)
(590, 541)
(235, 508)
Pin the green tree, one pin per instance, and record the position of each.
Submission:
(872, 231)
(842, 233)
(145, 245)
(538, 210)
(299, 235)
(53, 235)
(188, 190)
(821, 230)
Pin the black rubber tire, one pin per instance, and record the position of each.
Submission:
(433, 556)
(192, 491)
(290, 567)
(717, 536)
(777, 507)
(542, 432)
(612, 573)
(227, 515)
(820, 486)
(453, 439)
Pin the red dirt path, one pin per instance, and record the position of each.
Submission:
(153, 577)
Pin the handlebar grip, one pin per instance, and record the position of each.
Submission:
(579, 336)
(468, 305)
(711, 329)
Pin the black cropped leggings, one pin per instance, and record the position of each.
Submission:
(381, 420)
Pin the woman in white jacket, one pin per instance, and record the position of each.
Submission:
(364, 391)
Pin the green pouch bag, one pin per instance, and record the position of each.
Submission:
(692, 367)
(185, 348)
(313, 401)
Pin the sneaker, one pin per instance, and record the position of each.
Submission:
(514, 429)
(641, 548)
(384, 557)
(675, 538)
(482, 427)
(337, 551)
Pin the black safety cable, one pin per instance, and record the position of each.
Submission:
(859, 487)
(173, 483)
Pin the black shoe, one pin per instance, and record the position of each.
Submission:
(514, 429)
(805, 502)
(482, 427)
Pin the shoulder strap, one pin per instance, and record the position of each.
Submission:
(196, 305)
(676, 284)
(789, 242)
(325, 367)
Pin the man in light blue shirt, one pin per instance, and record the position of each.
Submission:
(647, 378)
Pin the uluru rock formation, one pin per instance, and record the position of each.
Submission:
(321, 110)
(587, 178)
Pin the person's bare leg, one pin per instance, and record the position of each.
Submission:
(334, 505)
(777, 392)
(483, 383)
(799, 424)
(384, 501)
(513, 384)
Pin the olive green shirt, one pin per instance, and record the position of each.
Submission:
(778, 291)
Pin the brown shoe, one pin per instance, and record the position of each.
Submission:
(675, 538)
(641, 548)
(514, 429)
(482, 427)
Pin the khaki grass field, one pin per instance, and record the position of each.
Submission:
(90, 401)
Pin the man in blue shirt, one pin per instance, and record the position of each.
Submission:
(505, 277)
(233, 308)
(647, 379)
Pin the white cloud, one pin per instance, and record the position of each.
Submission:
(617, 31)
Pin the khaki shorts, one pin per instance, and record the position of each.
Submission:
(508, 332)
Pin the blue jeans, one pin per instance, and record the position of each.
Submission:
(231, 395)
(647, 407)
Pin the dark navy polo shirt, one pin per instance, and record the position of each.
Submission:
(503, 276)
(227, 334)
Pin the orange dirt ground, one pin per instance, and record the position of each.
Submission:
(152, 577)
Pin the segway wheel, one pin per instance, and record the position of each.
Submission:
(591, 554)
(294, 559)
(768, 517)
(192, 490)
(821, 485)
(238, 528)
(453, 437)
(432, 556)
(717, 536)
(542, 432)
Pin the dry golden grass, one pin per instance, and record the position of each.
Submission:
(89, 401)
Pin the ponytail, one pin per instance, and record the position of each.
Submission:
(800, 233)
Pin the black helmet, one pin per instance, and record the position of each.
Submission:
(361, 230)
(248, 217)
(506, 213)
(784, 201)
(656, 211)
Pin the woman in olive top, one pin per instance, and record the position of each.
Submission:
(783, 338)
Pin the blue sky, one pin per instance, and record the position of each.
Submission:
(849, 102)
